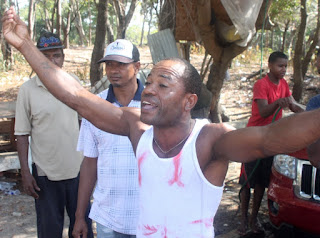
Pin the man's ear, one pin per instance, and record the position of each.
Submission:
(137, 67)
(191, 100)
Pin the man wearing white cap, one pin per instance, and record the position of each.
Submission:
(109, 159)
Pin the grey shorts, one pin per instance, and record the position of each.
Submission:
(105, 232)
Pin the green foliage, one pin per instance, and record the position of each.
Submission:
(19, 63)
(251, 55)
(286, 13)
(284, 9)
(133, 32)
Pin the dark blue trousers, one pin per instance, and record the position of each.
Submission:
(54, 198)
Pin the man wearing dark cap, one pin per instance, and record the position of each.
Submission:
(53, 129)
(109, 160)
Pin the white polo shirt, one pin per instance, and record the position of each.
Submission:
(116, 195)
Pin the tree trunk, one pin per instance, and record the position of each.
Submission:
(298, 54)
(290, 42)
(142, 28)
(3, 6)
(48, 24)
(215, 82)
(90, 23)
(285, 35)
(222, 55)
(150, 21)
(120, 11)
(7, 55)
(58, 17)
(66, 30)
(78, 22)
(31, 15)
(123, 18)
(185, 50)
(266, 39)
(110, 34)
(96, 70)
(306, 60)
(167, 15)
(5, 47)
(271, 41)
(52, 18)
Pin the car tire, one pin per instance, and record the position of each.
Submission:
(284, 232)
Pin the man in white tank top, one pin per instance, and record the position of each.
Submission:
(181, 161)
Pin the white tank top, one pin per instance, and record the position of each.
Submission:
(176, 200)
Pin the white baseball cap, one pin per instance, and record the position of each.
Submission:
(122, 51)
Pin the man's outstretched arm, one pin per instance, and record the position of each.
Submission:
(284, 136)
(98, 111)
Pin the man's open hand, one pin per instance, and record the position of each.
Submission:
(14, 29)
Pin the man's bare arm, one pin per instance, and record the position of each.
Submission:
(284, 136)
(98, 111)
(265, 109)
(295, 106)
(30, 185)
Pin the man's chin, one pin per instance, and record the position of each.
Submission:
(116, 85)
(145, 120)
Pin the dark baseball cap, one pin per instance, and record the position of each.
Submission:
(121, 51)
(48, 41)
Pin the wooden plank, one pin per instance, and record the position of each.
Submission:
(162, 45)
(8, 161)
(5, 127)
(7, 109)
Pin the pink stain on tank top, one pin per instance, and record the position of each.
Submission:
(149, 230)
(164, 232)
(140, 161)
(177, 171)
(207, 221)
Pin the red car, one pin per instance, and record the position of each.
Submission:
(294, 196)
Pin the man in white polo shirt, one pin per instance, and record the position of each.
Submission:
(54, 129)
(109, 159)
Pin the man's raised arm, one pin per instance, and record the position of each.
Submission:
(98, 111)
(287, 135)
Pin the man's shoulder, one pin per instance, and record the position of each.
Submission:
(284, 82)
(30, 83)
(215, 130)
(261, 82)
(313, 103)
(103, 94)
(315, 98)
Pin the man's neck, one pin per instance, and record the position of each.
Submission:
(168, 141)
(273, 79)
(125, 94)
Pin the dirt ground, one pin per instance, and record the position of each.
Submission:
(17, 217)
